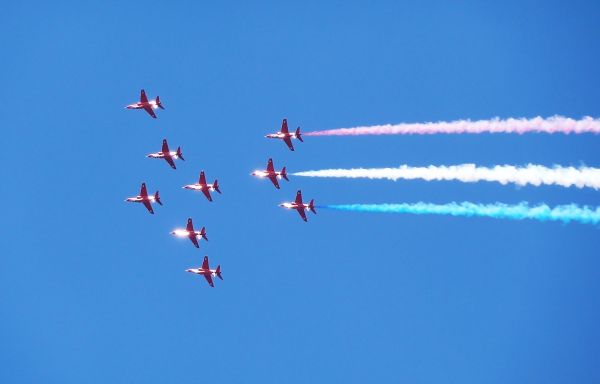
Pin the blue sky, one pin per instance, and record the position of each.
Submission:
(93, 289)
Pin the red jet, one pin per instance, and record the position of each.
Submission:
(190, 233)
(299, 206)
(272, 174)
(148, 106)
(207, 272)
(145, 199)
(202, 186)
(167, 155)
(285, 135)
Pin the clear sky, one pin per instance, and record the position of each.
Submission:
(93, 289)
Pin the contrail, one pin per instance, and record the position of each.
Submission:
(555, 124)
(582, 177)
(563, 213)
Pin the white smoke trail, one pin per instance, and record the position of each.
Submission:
(582, 177)
(563, 213)
(555, 124)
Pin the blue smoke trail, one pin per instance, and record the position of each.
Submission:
(564, 213)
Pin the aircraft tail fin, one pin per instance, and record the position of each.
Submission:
(311, 206)
(158, 103)
(218, 272)
(216, 186)
(157, 198)
(203, 233)
(284, 173)
(298, 134)
(180, 154)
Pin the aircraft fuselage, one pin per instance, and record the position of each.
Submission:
(199, 187)
(280, 135)
(200, 271)
(161, 155)
(140, 199)
(186, 233)
(295, 206)
(266, 174)
(139, 105)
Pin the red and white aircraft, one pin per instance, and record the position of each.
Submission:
(145, 199)
(202, 186)
(167, 155)
(207, 272)
(148, 106)
(285, 135)
(299, 206)
(190, 233)
(272, 174)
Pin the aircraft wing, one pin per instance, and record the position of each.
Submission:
(169, 160)
(165, 147)
(298, 198)
(288, 141)
(202, 179)
(205, 263)
(194, 240)
(274, 181)
(206, 192)
(148, 206)
(143, 98)
(302, 213)
(284, 127)
(143, 190)
(209, 279)
(270, 167)
(150, 111)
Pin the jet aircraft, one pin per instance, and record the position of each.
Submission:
(285, 135)
(148, 106)
(272, 174)
(299, 206)
(202, 186)
(190, 233)
(207, 272)
(167, 155)
(145, 199)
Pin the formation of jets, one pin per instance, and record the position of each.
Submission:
(147, 200)
(287, 136)
(170, 156)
